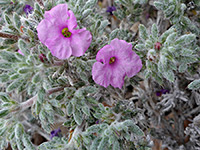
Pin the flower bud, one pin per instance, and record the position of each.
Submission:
(158, 46)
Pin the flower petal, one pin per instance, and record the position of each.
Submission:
(119, 45)
(60, 48)
(47, 31)
(58, 14)
(134, 66)
(101, 74)
(105, 54)
(117, 78)
(80, 42)
(129, 59)
(71, 22)
(20, 52)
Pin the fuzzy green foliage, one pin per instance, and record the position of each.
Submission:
(62, 91)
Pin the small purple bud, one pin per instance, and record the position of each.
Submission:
(165, 91)
(158, 93)
(97, 122)
(28, 9)
(110, 9)
(56, 132)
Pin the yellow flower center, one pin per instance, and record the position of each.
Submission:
(112, 60)
(66, 33)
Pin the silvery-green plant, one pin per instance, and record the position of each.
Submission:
(39, 91)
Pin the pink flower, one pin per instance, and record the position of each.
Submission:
(114, 62)
(20, 52)
(57, 32)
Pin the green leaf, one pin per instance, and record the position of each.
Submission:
(31, 89)
(154, 30)
(14, 76)
(169, 11)
(27, 143)
(7, 19)
(4, 112)
(113, 34)
(104, 24)
(170, 39)
(93, 129)
(166, 34)
(78, 117)
(149, 44)
(103, 143)
(86, 13)
(41, 95)
(185, 39)
(143, 32)
(3, 2)
(17, 20)
(182, 68)
(19, 130)
(69, 109)
(60, 96)
(90, 4)
(169, 75)
(23, 47)
(31, 33)
(136, 130)
(159, 5)
(8, 56)
(140, 47)
(5, 66)
(194, 84)
(95, 143)
(4, 97)
(97, 24)
(37, 108)
(24, 70)
(15, 84)
(4, 78)
(101, 106)
(20, 145)
(116, 145)
(90, 89)
(86, 110)
(36, 78)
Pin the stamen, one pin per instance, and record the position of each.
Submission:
(66, 33)
(112, 60)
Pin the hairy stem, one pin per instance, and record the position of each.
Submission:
(8, 36)
(14, 37)
(40, 2)
(33, 99)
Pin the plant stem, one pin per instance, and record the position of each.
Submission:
(33, 99)
(8, 36)
(40, 2)
(14, 37)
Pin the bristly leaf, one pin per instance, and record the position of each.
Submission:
(185, 39)
(17, 20)
(23, 47)
(4, 112)
(41, 95)
(69, 109)
(27, 142)
(8, 56)
(143, 32)
(19, 130)
(78, 117)
(194, 84)
(15, 84)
